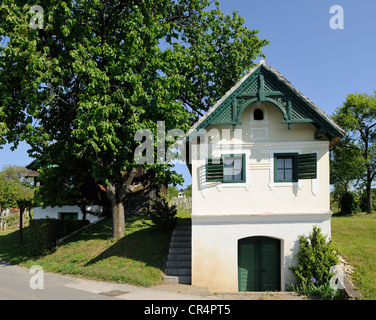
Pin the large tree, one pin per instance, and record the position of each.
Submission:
(93, 72)
(358, 116)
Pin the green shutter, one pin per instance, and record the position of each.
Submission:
(307, 166)
(214, 170)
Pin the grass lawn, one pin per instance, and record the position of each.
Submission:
(355, 239)
(138, 258)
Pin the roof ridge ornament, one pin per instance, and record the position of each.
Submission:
(262, 62)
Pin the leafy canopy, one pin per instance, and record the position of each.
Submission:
(99, 70)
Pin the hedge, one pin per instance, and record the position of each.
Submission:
(43, 233)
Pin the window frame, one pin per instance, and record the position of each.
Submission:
(243, 174)
(294, 157)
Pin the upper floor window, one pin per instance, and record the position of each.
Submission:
(228, 168)
(258, 114)
(290, 167)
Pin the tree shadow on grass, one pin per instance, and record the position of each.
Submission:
(10, 248)
(148, 245)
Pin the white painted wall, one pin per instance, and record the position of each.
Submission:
(215, 245)
(54, 212)
(223, 213)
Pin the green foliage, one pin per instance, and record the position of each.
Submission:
(316, 256)
(188, 191)
(355, 157)
(162, 214)
(323, 291)
(101, 70)
(15, 190)
(43, 233)
(172, 192)
(349, 203)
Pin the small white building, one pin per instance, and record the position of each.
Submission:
(259, 160)
(68, 212)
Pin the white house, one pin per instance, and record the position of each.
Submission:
(259, 160)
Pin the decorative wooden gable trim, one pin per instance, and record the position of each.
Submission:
(264, 83)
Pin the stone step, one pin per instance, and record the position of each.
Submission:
(182, 233)
(178, 271)
(183, 228)
(175, 238)
(180, 250)
(176, 264)
(179, 257)
(181, 244)
(177, 279)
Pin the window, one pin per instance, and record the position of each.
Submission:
(233, 168)
(258, 114)
(227, 169)
(69, 215)
(285, 167)
(290, 167)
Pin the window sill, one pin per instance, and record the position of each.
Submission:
(273, 185)
(245, 185)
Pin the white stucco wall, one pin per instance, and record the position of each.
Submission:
(223, 213)
(215, 245)
(54, 212)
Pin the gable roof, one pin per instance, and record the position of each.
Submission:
(264, 83)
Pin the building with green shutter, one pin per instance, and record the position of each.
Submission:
(259, 160)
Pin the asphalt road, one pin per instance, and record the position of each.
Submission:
(17, 283)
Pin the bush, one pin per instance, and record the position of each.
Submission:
(324, 291)
(162, 214)
(316, 256)
(43, 233)
(349, 203)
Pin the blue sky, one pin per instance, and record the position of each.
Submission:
(324, 64)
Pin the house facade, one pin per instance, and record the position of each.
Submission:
(259, 160)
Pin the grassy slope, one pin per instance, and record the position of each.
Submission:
(138, 258)
(355, 239)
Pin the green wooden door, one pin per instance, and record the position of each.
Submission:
(259, 264)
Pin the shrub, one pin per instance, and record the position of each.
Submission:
(349, 203)
(324, 291)
(316, 256)
(43, 233)
(162, 214)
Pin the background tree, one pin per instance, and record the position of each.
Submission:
(188, 191)
(358, 116)
(15, 190)
(99, 70)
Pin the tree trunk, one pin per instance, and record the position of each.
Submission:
(116, 194)
(21, 214)
(118, 218)
(368, 193)
(83, 210)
